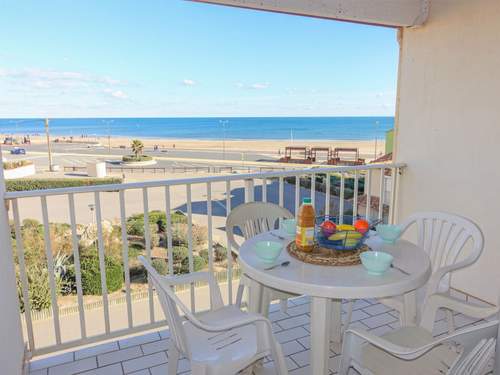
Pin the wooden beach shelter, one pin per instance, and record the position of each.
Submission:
(346, 156)
(313, 154)
(296, 154)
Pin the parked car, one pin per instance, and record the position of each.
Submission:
(18, 151)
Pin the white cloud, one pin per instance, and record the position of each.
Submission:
(54, 79)
(260, 86)
(188, 82)
(119, 94)
(254, 86)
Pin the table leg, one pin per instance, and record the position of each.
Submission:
(336, 325)
(321, 315)
(255, 297)
(410, 309)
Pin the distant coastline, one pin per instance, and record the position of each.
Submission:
(290, 129)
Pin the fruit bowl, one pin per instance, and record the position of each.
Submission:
(341, 240)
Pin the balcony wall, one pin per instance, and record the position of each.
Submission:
(449, 125)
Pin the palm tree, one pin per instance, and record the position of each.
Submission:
(137, 147)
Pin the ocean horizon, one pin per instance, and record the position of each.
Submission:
(235, 128)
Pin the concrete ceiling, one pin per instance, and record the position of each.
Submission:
(392, 13)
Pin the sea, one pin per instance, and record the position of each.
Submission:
(237, 128)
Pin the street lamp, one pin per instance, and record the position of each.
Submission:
(92, 209)
(224, 124)
(47, 134)
(108, 123)
(376, 138)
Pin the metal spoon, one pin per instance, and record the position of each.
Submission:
(284, 264)
(400, 270)
(277, 236)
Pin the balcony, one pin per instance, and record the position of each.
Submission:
(147, 354)
(79, 319)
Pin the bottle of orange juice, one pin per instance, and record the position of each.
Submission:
(306, 218)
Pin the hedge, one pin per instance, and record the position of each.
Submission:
(23, 184)
(91, 274)
(16, 164)
(133, 158)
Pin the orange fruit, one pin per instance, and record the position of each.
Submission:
(362, 226)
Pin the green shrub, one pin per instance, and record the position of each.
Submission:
(198, 264)
(38, 287)
(220, 253)
(204, 254)
(23, 184)
(160, 265)
(180, 234)
(155, 217)
(91, 274)
(179, 253)
(134, 158)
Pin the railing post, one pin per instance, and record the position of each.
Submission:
(249, 191)
(12, 348)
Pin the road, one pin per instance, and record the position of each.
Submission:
(79, 154)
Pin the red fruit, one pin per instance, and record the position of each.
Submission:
(362, 226)
(328, 228)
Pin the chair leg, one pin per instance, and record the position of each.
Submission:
(266, 300)
(278, 357)
(450, 320)
(173, 360)
(239, 295)
(347, 321)
(283, 305)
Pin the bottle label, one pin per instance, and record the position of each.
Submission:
(305, 236)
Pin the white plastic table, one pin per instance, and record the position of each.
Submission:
(327, 286)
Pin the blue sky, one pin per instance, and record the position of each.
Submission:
(123, 58)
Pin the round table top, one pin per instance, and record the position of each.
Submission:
(349, 282)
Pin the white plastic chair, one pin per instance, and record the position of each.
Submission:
(222, 341)
(414, 351)
(444, 237)
(252, 219)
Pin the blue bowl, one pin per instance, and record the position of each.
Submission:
(376, 262)
(388, 233)
(342, 244)
(268, 251)
(289, 226)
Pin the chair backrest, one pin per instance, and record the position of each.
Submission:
(169, 303)
(443, 236)
(477, 346)
(254, 218)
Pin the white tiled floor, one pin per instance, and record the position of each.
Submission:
(147, 354)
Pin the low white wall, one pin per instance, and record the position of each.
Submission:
(96, 169)
(27, 170)
(448, 131)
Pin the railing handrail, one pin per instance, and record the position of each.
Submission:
(196, 180)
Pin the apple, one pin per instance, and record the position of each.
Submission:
(328, 228)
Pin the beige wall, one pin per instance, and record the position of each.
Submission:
(11, 340)
(449, 125)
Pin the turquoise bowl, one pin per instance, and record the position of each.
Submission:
(376, 262)
(289, 226)
(388, 233)
(268, 251)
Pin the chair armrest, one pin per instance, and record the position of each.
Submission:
(187, 278)
(381, 343)
(228, 324)
(433, 283)
(407, 353)
(441, 301)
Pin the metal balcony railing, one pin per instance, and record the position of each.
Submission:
(285, 188)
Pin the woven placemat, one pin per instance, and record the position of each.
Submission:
(327, 257)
